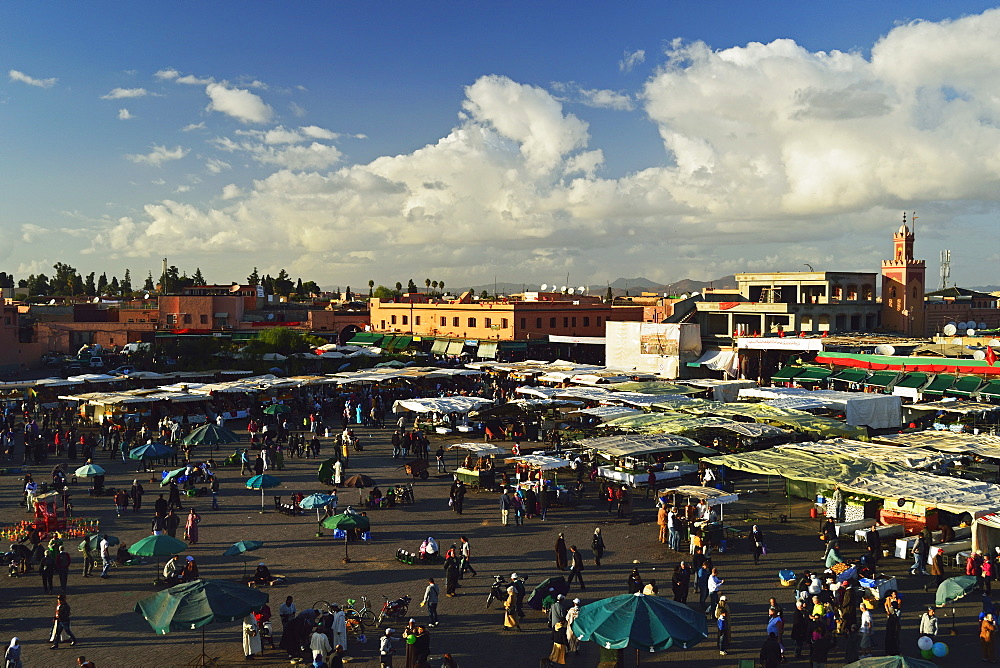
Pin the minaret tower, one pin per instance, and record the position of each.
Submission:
(903, 286)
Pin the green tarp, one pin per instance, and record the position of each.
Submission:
(785, 374)
(881, 378)
(365, 338)
(991, 390)
(913, 380)
(400, 342)
(941, 382)
(850, 375)
(513, 345)
(654, 387)
(813, 374)
(965, 386)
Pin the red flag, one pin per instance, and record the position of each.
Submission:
(991, 356)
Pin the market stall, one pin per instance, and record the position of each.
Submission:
(538, 471)
(632, 458)
(477, 464)
(709, 496)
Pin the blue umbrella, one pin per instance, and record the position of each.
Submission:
(151, 450)
(316, 501)
(262, 482)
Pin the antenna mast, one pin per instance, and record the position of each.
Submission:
(945, 268)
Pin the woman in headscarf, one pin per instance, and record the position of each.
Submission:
(558, 654)
(12, 657)
(191, 527)
(634, 580)
(429, 548)
(510, 609)
(560, 550)
(598, 546)
(572, 642)
(833, 555)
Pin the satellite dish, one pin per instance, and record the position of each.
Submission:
(885, 349)
(685, 295)
(952, 322)
(96, 300)
(982, 325)
(970, 332)
(957, 342)
(978, 355)
(544, 286)
(993, 343)
(581, 289)
(572, 291)
(562, 289)
(901, 503)
(235, 287)
(270, 316)
(695, 293)
(950, 329)
(962, 325)
(146, 296)
(51, 302)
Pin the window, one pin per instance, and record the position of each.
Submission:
(187, 318)
(406, 320)
(204, 319)
(565, 322)
(171, 319)
(472, 322)
(586, 321)
(524, 323)
(454, 322)
(444, 321)
(574, 321)
(392, 319)
(383, 325)
(504, 324)
(598, 321)
(552, 323)
(416, 320)
(538, 323)
(487, 322)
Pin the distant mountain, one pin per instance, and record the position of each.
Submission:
(618, 287)
(986, 288)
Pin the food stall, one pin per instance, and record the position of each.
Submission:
(631, 458)
(477, 464)
(531, 471)
(711, 497)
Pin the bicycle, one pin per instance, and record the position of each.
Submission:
(363, 614)
(354, 621)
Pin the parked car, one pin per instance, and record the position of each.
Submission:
(122, 371)
(96, 362)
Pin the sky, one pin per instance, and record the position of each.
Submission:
(524, 141)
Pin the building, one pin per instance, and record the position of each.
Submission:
(959, 305)
(11, 348)
(531, 316)
(813, 302)
(903, 287)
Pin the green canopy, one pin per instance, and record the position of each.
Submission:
(95, 541)
(242, 547)
(941, 382)
(365, 339)
(193, 605)
(89, 470)
(953, 589)
(262, 482)
(912, 380)
(881, 378)
(347, 522)
(325, 472)
(649, 623)
(171, 476)
(785, 374)
(157, 546)
(891, 662)
(654, 387)
(850, 375)
(211, 434)
(991, 390)
(965, 386)
(151, 450)
(277, 409)
(813, 374)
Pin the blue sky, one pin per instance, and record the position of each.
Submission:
(527, 140)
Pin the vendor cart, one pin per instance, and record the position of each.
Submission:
(417, 468)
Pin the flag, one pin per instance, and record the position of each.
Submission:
(991, 356)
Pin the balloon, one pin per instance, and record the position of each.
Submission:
(411, 639)
(925, 643)
(927, 654)
(940, 649)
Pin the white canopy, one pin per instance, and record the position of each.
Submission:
(541, 462)
(609, 412)
(709, 495)
(541, 392)
(457, 404)
(954, 495)
(478, 449)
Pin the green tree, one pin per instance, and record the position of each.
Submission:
(298, 287)
(63, 283)
(198, 278)
(254, 278)
(348, 295)
(113, 286)
(38, 285)
(310, 288)
(434, 285)
(399, 288)
(371, 286)
(383, 293)
(281, 340)
(283, 285)
(411, 286)
(89, 286)
(427, 284)
(484, 295)
(610, 296)
(102, 284)
(149, 286)
(441, 285)
(127, 284)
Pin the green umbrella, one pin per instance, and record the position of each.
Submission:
(173, 475)
(650, 623)
(210, 434)
(953, 589)
(347, 521)
(891, 662)
(277, 409)
(151, 450)
(89, 470)
(241, 548)
(193, 605)
(157, 546)
(95, 541)
(262, 482)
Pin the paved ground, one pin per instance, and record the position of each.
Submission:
(113, 635)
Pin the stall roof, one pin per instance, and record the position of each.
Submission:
(955, 406)
(983, 445)
(941, 382)
(712, 497)
(881, 378)
(541, 392)
(620, 446)
(480, 449)
(609, 412)
(953, 495)
(850, 375)
(912, 380)
(457, 404)
(786, 373)
(991, 389)
(965, 386)
(653, 387)
(541, 462)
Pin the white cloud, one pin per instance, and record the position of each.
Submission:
(315, 132)
(606, 99)
(238, 103)
(770, 152)
(182, 189)
(216, 166)
(193, 126)
(158, 156)
(192, 80)
(124, 115)
(21, 77)
(297, 110)
(631, 59)
(167, 74)
(123, 93)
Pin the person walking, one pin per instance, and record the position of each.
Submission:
(385, 649)
(560, 550)
(47, 569)
(12, 656)
(987, 629)
(63, 561)
(722, 624)
(136, 495)
(929, 623)
(61, 625)
(171, 522)
(597, 545)
(106, 557)
(431, 594)
(575, 567)
(758, 543)
(680, 583)
(467, 558)
(451, 573)
(214, 486)
(572, 641)
(920, 552)
(505, 506)
(191, 527)
(510, 619)
(714, 588)
(770, 653)
(88, 558)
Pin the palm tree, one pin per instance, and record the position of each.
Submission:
(441, 285)
(427, 284)
(371, 286)
(399, 288)
(434, 284)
